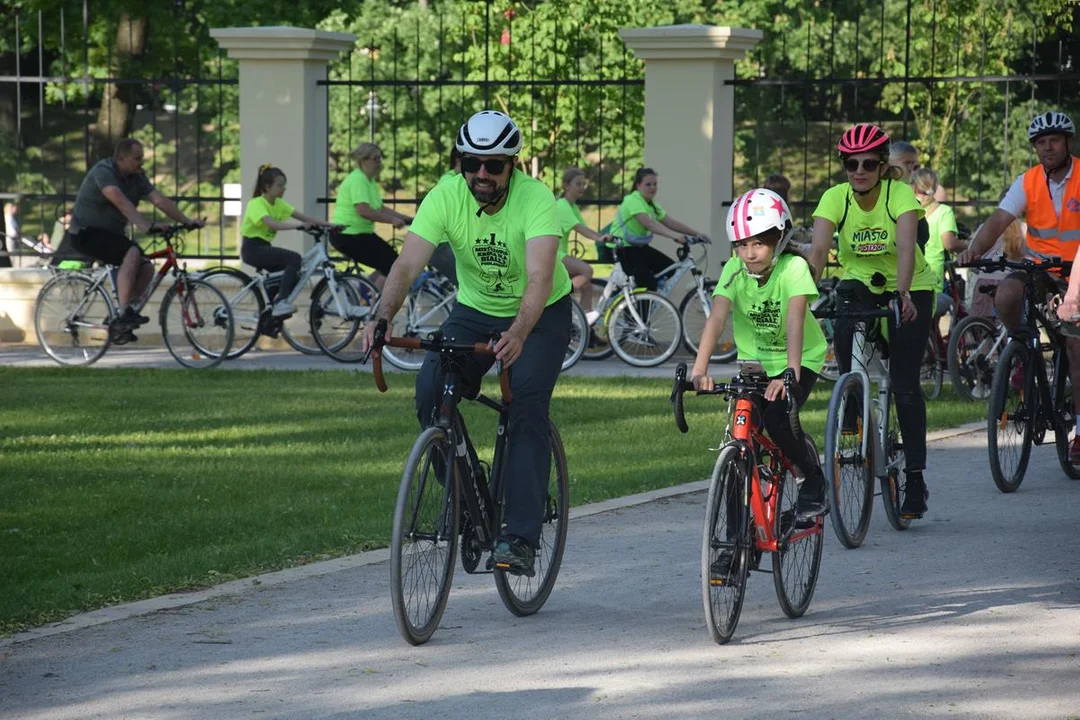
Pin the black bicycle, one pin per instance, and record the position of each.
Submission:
(446, 493)
(1025, 402)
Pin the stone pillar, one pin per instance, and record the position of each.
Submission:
(283, 110)
(690, 120)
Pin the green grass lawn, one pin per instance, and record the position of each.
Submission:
(124, 484)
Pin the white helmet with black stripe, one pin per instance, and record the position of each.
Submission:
(489, 132)
(1050, 123)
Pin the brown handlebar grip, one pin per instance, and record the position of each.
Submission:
(376, 369)
(483, 349)
(405, 343)
(504, 385)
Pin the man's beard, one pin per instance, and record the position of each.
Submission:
(485, 195)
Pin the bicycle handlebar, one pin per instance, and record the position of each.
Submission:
(435, 343)
(893, 311)
(740, 385)
(168, 232)
(1051, 263)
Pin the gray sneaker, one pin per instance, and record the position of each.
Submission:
(514, 555)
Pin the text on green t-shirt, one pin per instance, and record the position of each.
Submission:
(489, 250)
(759, 313)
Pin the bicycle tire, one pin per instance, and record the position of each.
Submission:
(524, 595)
(196, 323)
(332, 332)
(797, 560)
(931, 374)
(78, 340)
(247, 304)
(724, 509)
(1062, 423)
(579, 336)
(851, 494)
(1010, 420)
(427, 554)
(694, 316)
(892, 488)
(296, 327)
(598, 347)
(422, 313)
(971, 365)
(652, 341)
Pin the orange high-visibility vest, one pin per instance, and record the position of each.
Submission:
(1046, 232)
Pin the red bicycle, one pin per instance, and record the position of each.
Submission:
(74, 313)
(751, 508)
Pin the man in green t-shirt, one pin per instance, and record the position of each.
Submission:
(503, 230)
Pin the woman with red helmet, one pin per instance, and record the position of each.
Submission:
(875, 217)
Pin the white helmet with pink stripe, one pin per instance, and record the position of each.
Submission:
(756, 212)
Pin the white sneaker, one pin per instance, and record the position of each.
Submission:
(357, 312)
(591, 317)
(282, 308)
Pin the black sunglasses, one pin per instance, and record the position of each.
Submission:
(471, 164)
(869, 164)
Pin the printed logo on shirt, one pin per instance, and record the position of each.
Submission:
(765, 316)
(870, 241)
(1073, 205)
(493, 257)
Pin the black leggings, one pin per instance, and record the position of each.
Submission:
(643, 262)
(264, 256)
(777, 423)
(367, 249)
(907, 346)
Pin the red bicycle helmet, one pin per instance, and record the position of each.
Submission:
(862, 138)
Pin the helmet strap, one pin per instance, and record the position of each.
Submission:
(505, 192)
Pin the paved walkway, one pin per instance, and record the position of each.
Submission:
(973, 612)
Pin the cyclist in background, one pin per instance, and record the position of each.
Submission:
(637, 220)
(876, 217)
(768, 288)
(504, 233)
(265, 215)
(574, 185)
(1048, 195)
(944, 237)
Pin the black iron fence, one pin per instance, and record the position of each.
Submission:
(960, 81)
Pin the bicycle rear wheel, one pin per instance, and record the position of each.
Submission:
(892, 486)
(848, 471)
(423, 543)
(296, 328)
(694, 311)
(72, 324)
(246, 302)
(423, 312)
(579, 336)
(524, 595)
(598, 347)
(196, 323)
(644, 329)
(726, 533)
(971, 357)
(797, 560)
(931, 373)
(1010, 424)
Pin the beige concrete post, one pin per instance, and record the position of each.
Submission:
(690, 120)
(283, 110)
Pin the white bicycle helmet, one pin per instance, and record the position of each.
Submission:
(759, 211)
(489, 132)
(1050, 123)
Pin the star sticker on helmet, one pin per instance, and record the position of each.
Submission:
(778, 205)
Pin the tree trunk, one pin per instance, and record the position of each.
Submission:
(114, 115)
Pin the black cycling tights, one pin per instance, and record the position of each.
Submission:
(907, 346)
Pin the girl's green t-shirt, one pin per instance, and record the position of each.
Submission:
(252, 225)
(569, 215)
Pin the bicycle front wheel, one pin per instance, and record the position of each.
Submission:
(523, 595)
(694, 312)
(423, 543)
(423, 312)
(849, 470)
(931, 374)
(972, 356)
(296, 328)
(797, 559)
(892, 486)
(337, 314)
(579, 336)
(246, 302)
(1010, 424)
(725, 545)
(72, 323)
(196, 323)
(644, 329)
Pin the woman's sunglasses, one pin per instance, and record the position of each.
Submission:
(868, 164)
(471, 164)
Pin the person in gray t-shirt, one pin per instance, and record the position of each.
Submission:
(105, 204)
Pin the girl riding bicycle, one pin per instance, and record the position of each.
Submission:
(570, 219)
(876, 215)
(768, 288)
